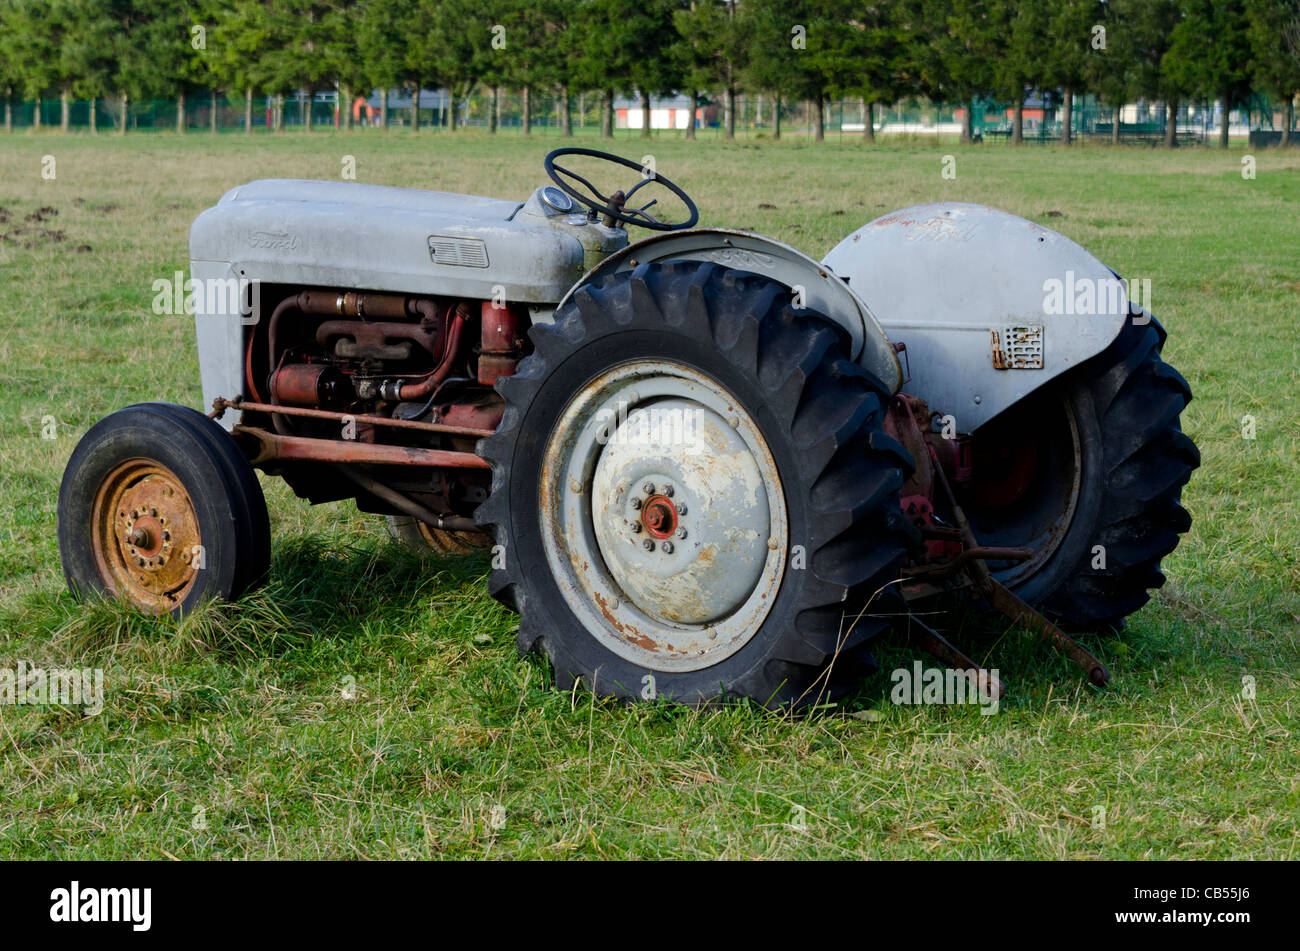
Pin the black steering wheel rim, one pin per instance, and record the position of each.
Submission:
(607, 205)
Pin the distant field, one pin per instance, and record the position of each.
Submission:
(366, 705)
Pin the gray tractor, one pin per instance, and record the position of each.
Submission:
(702, 464)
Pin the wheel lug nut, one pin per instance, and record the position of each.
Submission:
(668, 490)
(648, 488)
(648, 545)
(636, 527)
(636, 504)
(681, 533)
(681, 510)
(667, 547)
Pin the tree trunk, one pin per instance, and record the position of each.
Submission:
(820, 124)
(9, 112)
(214, 112)
(180, 112)
(968, 121)
(645, 115)
(607, 115)
(345, 108)
(526, 111)
(124, 103)
(729, 108)
(1290, 120)
(94, 120)
(494, 108)
(776, 117)
(1067, 118)
(65, 110)
(451, 111)
(383, 108)
(248, 112)
(307, 110)
(1171, 123)
(1018, 123)
(1114, 124)
(566, 113)
(869, 123)
(690, 121)
(1223, 122)
(415, 109)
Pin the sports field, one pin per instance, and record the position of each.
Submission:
(365, 704)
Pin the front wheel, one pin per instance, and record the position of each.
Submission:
(693, 492)
(158, 507)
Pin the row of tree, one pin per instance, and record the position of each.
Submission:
(954, 51)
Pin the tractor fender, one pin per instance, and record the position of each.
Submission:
(989, 306)
(821, 290)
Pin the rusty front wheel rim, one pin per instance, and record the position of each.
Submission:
(145, 536)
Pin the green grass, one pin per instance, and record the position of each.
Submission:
(363, 704)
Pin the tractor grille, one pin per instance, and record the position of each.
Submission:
(460, 252)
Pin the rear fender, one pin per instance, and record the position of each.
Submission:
(989, 306)
(821, 289)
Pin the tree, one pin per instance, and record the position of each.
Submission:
(860, 55)
(382, 46)
(789, 54)
(1069, 54)
(29, 48)
(1150, 24)
(1022, 65)
(953, 45)
(1110, 69)
(712, 50)
(1273, 30)
(1209, 54)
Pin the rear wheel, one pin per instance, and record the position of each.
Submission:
(1089, 473)
(158, 506)
(693, 491)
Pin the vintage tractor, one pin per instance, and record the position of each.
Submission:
(703, 464)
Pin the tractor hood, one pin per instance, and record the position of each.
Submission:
(344, 234)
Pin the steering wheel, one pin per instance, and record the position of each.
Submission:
(614, 206)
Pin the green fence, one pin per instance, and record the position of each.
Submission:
(756, 115)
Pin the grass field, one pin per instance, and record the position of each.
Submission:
(365, 705)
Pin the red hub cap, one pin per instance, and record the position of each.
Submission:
(659, 516)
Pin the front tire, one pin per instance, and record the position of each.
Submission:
(158, 507)
(728, 557)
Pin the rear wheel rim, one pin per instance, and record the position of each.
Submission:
(145, 535)
(1037, 515)
(662, 516)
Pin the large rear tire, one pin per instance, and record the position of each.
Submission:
(1093, 476)
(729, 557)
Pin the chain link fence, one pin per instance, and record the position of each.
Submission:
(755, 116)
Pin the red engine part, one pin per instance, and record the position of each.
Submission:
(306, 384)
(920, 510)
(501, 346)
(380, 340)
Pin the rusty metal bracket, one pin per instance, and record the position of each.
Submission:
(1005, 602)
(219, 406)
(272, 447)
(940, 648)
